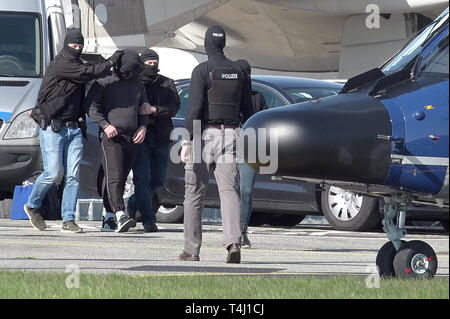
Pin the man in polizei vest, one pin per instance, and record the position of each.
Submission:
(220, 91)
(61, 117)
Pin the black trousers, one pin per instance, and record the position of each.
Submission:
(118, 157)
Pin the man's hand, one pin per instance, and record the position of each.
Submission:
(185, 153)
(139, 135)
(147, 109)
(110, 131)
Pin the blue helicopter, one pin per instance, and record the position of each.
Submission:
(384, 135)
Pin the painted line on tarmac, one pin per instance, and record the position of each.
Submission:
(253, 251)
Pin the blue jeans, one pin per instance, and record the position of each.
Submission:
(61, 153)
(248, 178)
(149, 173)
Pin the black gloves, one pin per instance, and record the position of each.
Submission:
(39, 118)
(115, 57)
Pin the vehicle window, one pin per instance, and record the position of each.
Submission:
(436, 61)
(20, 45)
(306, 94)
(412, 48)
(183, 93)
(272, 99)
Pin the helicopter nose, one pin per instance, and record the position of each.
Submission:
(341, 137)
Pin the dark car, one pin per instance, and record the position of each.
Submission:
(276, 202)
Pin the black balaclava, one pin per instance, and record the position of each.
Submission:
(215, 39)
(72, 36)
(150, 73)
(129, 65)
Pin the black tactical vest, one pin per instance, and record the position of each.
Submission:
(224, 96)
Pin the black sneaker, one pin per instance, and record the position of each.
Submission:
(35, 217)
(150, 228)
(109, 225)
(245, 242)
(125, 223)
(71, 227)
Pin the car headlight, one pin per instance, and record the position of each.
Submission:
(23, 126)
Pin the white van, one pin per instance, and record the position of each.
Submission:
(31, 34)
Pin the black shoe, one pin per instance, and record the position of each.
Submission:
(109, 225)
(150, 228)
(245, 242)
(125, 223)
(71, 227)
(184, 256)
(234, 254)
(35, 217)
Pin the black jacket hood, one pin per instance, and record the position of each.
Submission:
(129, 65)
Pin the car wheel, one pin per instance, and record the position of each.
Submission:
(348, 211)
(170, 214)
(258, 219)
(285, 220)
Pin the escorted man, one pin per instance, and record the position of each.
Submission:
(150, 168)
(113, 103)
(220, 89)
(60, 115)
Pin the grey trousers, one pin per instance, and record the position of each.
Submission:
(218, 154)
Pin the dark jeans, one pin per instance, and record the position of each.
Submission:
(149, 173)
(118, 156)
(248, 178)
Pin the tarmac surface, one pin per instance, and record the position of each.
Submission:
(315, 250)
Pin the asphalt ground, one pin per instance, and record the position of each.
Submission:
(315, 250)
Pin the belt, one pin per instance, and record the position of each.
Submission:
(71, 124)
(222, 126)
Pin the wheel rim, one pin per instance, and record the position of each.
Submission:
(166, 210)
(420, 264)
(344, 205)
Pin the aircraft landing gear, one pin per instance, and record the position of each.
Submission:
(411, 260)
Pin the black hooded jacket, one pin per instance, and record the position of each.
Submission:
(62, 90)
(116, 99)
(162, 94)
(215, 40)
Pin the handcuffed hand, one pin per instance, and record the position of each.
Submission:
(139, 135)
(110, 131)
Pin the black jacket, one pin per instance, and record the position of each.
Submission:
(201, 83)
(163, 95)
(116, 101)
(63, 88)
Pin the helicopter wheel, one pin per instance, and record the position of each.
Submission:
(385, 260)
(415, 260)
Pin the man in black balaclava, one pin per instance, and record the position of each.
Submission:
(60, 115)
(150, 168)
(113, 103)
(220, 90)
